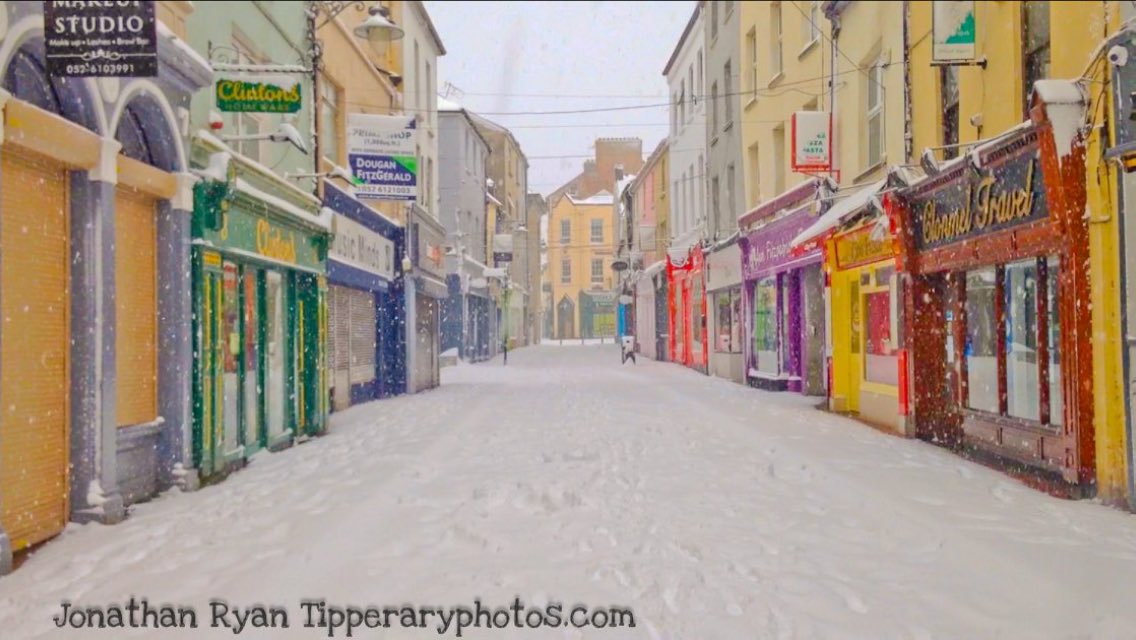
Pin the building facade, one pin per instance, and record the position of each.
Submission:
(463, 157)
(366, 356)
(686, 74)
(580, 251)
(93, 352)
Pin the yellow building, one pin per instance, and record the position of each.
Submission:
(955, 107)
(580, 248)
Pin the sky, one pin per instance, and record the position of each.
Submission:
(509, 57)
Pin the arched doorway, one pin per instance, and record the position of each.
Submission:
(566, 318)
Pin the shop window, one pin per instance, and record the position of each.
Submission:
(765, 325)
(880, 329)
(981, 340)
(727, 307)
(875, 113)
(1023, 399)
(1053, 335)
(854, 316)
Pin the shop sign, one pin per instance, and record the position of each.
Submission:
(1009, 193)
(768, 247)
(427, 242)
(952, 31)
(858, 248)
(812, 141)
(100, 39)
(257, 235)
(269, 93)
(383, 157)
(359, 247)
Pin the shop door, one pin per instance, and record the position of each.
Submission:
(363, 336)
(209, 363)
(855, 369)
(231, 362)
(276, 347)
(33, 361)
(310, 362)
(136, 310)
(252, 368)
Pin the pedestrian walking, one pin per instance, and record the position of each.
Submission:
(505, 351)
(627, 349)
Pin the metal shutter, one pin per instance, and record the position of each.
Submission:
(340, 323)
(362, 308)
(136, 311)
(34, 348)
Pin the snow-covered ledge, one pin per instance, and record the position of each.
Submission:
(107, 168)
(183, 197)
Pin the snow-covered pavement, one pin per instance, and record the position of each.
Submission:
(711, 510)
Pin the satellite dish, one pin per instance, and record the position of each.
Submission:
(619, 266)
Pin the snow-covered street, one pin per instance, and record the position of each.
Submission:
(711, 510)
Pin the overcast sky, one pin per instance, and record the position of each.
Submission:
(508, 57)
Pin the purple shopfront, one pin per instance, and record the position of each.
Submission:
(784, 299)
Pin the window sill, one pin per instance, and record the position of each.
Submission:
(809, 47)
(750, 103)
(776, 79)
(714, 140)
(1025, 424)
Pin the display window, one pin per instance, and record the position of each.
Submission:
(765, 324)
(881, 328)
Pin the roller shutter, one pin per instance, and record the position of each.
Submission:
(33, 348)
(136, 310)
(362, 308)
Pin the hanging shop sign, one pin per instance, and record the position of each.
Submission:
(961, 204)
(382, 155)
(359, 247)
(256, 235)
(267, 93)
(812, 141)
(952, 31)
(100, 39)
(858, 247)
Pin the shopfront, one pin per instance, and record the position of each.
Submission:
(866, 363)
(365, 313)
(649, 324)
(426, 292)
(687, 307)
(724, 306)
(260, 313)
(783, 297)
(996, 245)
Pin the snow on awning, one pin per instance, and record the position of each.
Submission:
(653, 270)
(836, 214)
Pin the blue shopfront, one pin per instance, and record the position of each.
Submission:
(366, 313)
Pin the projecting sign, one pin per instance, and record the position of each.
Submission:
(382, 156)
(100, 39)
(261, 93)
(952, 31)
(812, 141)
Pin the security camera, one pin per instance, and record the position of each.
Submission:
(1118, 56)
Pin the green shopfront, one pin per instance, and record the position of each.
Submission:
(260, 311)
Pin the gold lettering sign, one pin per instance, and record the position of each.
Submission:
(859, 248)
(981, 209)
(274, 243)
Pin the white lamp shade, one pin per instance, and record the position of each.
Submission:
(376, 29)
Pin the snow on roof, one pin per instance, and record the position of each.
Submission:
(603, 197)
(185, 51)
(446, 105)
(838, 212)
(1065, 105)
(621, 185)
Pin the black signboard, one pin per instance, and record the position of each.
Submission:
(962, 203)
(90, 39)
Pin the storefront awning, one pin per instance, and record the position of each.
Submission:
(836, 214)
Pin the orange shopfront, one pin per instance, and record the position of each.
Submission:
(996, 247)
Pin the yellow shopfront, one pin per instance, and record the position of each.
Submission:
(866, 366)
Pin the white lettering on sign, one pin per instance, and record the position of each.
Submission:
(358, 246)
